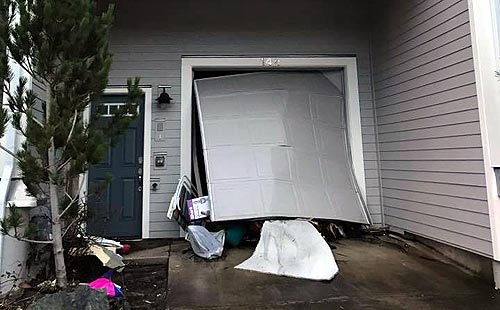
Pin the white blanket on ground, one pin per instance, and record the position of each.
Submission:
(292, 248)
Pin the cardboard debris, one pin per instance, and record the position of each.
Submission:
(107, 257)
(199, 208)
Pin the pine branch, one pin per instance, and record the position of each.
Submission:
(6, 91)
(18, 237)
(69, 226)
(22, 65)
(71, 203)
(64, 164)
(73, 200)
(9, 152)
(37, 122)
(30, 64)
(44, 193)
(71, 130)
(30, 240)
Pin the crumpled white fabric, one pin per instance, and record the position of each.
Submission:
(292, 248)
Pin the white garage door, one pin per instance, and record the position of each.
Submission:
(275, 146)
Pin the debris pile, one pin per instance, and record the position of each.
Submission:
(296, 248)
(268, 146)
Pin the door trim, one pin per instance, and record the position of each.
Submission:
(483, 15)
(146, 153)
(349, 65)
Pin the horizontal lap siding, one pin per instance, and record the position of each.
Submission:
(431, 156)
(149, 41)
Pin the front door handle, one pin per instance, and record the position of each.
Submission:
(139, 178)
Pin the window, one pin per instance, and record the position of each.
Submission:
(109, 109)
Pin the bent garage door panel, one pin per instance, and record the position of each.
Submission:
(275, 145)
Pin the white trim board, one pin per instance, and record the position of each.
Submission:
(148, 101)
(485, 51)
(189, 64)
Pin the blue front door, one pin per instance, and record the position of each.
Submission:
(115, 184)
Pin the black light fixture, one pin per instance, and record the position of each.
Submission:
(164, 97)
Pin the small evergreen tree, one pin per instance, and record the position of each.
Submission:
(62, 44)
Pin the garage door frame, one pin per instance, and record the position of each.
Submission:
(348, 64)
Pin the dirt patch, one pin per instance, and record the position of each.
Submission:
(143, 280)
(144, 286)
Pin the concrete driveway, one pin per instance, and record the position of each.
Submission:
(373, 275)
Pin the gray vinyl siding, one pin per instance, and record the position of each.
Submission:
(39, 89)
(432, 171)
(40, 92)
(151, 37)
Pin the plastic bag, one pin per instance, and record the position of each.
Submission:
(204, 243)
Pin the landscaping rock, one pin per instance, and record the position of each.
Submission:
(78, 299)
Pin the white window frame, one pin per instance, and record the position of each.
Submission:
(108, 105)
(189, 64)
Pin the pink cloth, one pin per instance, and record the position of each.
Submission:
(104, 284)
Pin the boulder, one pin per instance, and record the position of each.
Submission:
(81, 298)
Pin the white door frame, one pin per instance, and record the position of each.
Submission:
(351, 95)
(146, 164)
(485, 27)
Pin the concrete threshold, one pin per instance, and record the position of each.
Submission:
(153, 256)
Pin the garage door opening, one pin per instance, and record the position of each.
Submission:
(269, 143)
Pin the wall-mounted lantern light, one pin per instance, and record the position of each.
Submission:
(164, 97)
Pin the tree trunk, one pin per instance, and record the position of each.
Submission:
(57, 243)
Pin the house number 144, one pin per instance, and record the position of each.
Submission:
(270, 62)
